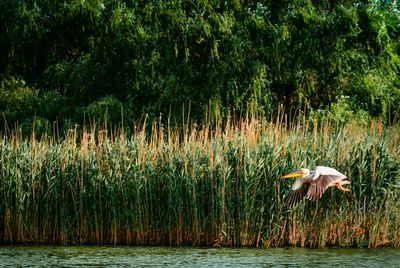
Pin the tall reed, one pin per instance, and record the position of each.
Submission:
(200, 185)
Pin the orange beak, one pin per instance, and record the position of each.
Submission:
(295, 174)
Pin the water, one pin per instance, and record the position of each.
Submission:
(96, 256)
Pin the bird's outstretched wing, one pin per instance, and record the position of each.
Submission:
(319, 185)
(295, 196)
(328, 171)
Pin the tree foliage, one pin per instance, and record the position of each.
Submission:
(156, 56)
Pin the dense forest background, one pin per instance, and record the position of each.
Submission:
(73, 61)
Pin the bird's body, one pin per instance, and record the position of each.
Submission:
(313, 184)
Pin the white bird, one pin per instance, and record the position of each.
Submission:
(313, 184)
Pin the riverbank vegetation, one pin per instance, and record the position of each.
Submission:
(66, 61)
(200, 185)
(155, 122)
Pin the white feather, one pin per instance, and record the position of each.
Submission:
(297, 184)
(322, 170)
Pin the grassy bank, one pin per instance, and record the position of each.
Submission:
(198, 185)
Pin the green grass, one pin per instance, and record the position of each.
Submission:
(199, 185)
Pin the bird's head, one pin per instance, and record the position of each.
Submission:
(303, 172)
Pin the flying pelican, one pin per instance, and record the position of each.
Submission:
(313, 184)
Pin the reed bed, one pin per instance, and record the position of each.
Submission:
(200, 185)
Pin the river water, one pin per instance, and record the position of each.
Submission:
(99, 256)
